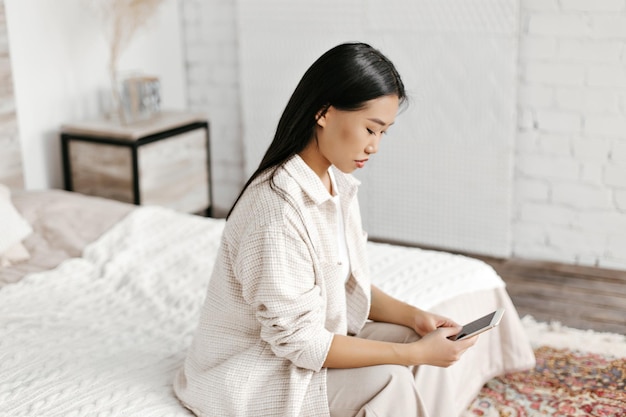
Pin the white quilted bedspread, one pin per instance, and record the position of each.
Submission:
(102, 335)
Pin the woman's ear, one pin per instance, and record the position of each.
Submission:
(320, 116)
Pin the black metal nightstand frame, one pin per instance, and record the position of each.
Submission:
(134, 145)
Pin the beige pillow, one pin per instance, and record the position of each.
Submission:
(13, 229)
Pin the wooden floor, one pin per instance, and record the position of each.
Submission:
(577, 296)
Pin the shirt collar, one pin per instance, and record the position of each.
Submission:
(312, 185)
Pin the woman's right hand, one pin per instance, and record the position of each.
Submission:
(433, 349)
(436, 349)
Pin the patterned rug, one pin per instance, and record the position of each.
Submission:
(564, 383)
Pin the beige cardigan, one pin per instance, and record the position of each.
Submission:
(275, 299)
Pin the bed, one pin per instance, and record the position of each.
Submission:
(97, 314)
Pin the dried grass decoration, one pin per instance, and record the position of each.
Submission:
(122, 19)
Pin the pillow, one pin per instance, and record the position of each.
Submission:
(16, 253)
(13, 229)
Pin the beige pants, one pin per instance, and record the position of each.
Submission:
(376, 391)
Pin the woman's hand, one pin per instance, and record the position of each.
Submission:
(436, 349)
(433, 349)
(425, 322)
(387, 309)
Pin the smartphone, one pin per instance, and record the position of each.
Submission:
(484, 323)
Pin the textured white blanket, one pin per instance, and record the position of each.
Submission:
(102, 335)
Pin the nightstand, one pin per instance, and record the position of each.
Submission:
(162, 161)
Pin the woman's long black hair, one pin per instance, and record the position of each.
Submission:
(344, 77)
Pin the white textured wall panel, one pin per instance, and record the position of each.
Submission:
(278, 41)
(443, 175)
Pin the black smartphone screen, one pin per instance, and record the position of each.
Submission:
(473, 326)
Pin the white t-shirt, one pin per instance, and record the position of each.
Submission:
(344, 260)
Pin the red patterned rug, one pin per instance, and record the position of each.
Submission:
(564, 383)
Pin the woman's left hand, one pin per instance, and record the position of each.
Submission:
(387, 309)
(425, 322)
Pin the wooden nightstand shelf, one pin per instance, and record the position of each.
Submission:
(162, 161)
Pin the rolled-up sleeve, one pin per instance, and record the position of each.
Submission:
(275, 269)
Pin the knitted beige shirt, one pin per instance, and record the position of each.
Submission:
(275, 299)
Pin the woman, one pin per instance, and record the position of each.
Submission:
(284, 330)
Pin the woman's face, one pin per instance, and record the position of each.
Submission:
(346, 139)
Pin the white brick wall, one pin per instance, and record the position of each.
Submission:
(10, 174)
(570, 182)
(210, 37)
(570, 176)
